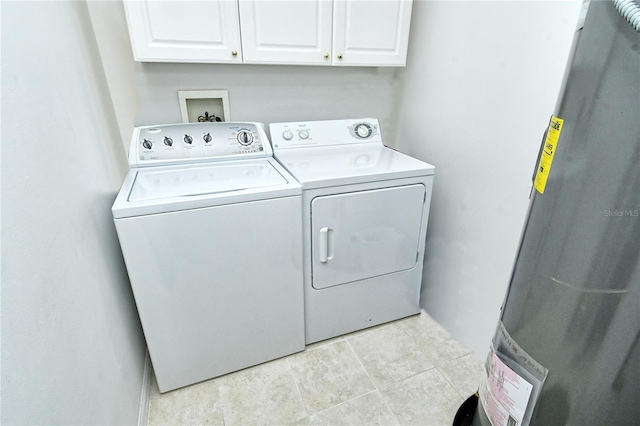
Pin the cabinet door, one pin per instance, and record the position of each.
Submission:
(371, 32)
(286, 32)
(184, 31)
(360, 235)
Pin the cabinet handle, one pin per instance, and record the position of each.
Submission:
(339, 55)
(234, 52)
(326, 56)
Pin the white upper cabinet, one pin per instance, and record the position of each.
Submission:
(302, 32)
(286, 32)
(374, 32)
(184, 31)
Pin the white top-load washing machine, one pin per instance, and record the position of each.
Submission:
(365, 209)
(211, 232)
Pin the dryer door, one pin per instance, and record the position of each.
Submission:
(365, 234)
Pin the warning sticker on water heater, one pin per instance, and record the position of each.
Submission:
(548, 152)
(503, 393)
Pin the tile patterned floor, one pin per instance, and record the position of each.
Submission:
(407, 372)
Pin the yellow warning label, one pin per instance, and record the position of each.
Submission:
(548, 152)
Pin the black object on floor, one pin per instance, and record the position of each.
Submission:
(464, 416)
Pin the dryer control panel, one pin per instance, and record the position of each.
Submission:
(193, 142)
(325, 133)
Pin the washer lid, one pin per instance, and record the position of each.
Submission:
(166, 189)
(343, 165)
(154, 184)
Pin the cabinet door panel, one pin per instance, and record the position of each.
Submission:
(371, 32)
(184, 31)
(286, 32)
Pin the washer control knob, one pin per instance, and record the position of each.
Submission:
(168, 141)
(304, 134)
(363, 130)
(244, 137)
(147, 143)
(207, 137)
(188, 139)
(287, 135)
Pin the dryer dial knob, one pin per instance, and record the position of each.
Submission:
(363, 130)
(207, 137)
(304, 134)
(287, 135)
(147, 143)
(168, 141)
(244, 137)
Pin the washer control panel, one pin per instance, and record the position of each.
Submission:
(176, 143)
(324, 133)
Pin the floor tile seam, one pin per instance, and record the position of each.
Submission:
(357, 397)
(378, 389)
(388, 324)
(372, 381)
(385, 396)
(413, 339)
(306, 349)
(433, 366)
(223, 407)
(293, 376)
(345, 402)
(388, 407)
(455, 388)
(386, 385)
(426, 356)
(362, 365)
(447, 361)
(433, 362)
(390, 410)
(225, 381)
(404, 330)
(219, 404)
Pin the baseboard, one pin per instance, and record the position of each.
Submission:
(145, 393)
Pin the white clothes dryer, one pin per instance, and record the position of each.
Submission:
(365, 209)
(211, 232)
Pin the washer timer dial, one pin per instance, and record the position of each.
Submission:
(244, 137)
(363, 130)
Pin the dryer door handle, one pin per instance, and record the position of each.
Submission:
(325, 244)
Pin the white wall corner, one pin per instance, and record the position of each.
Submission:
(481, 81)
(112, 37)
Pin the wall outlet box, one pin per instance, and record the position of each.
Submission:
(200, 105)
